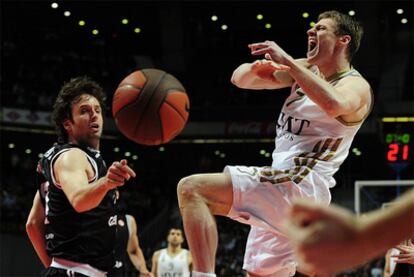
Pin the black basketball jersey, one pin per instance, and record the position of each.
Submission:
(86, 237)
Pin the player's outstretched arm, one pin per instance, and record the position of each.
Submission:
(350, 97)
(318, 231)
(70, 170)
(261, 74)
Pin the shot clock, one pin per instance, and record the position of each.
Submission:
(398, 135)
(398, 148)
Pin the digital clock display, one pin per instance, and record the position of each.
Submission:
(397, 135)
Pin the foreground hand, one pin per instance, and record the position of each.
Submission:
(271, 50)
(264, 69)
(326, 240)
(118, 173)
(406, 255)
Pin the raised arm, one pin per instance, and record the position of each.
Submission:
(134, 250)
(35, 229)
(71, 170)
(261, 74)
(349, 99)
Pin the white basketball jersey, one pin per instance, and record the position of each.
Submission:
(176, 266)
(308, 140)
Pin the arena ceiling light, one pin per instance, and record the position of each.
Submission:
(400, 11)
(66, 13)
(214, 17)
(351, 12)
(259, 16)
(305, 15)
(224, 27)
(137, 30)
(54, 5)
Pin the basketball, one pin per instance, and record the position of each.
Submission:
(150, 107)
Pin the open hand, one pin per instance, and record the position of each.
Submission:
(406, 255)
(271, 50)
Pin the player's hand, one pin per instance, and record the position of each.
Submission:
(264, 69)
(118, 173)
(271, 51)
(406, 255)
(317, 231)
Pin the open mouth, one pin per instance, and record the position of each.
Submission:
(94, 126)
(312, 48)
(312, 45)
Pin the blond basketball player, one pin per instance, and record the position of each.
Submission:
(328, 102)
(173, 261)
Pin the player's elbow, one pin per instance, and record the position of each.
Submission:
(235, 79)
(79, 205)
(31, 225)
(79, 208)
(239, 77)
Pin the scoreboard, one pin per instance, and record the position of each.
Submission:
(398, 136)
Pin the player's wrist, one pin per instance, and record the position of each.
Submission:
(289, 61)
(106, 183)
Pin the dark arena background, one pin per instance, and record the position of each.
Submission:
(44, 43)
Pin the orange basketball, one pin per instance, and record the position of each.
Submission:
(150, 107)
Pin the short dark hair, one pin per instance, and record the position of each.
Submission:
(68, 95)
(346, 25)
(176, 228)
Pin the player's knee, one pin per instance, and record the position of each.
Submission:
(188, 188)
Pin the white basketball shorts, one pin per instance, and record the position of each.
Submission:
(263, 203)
